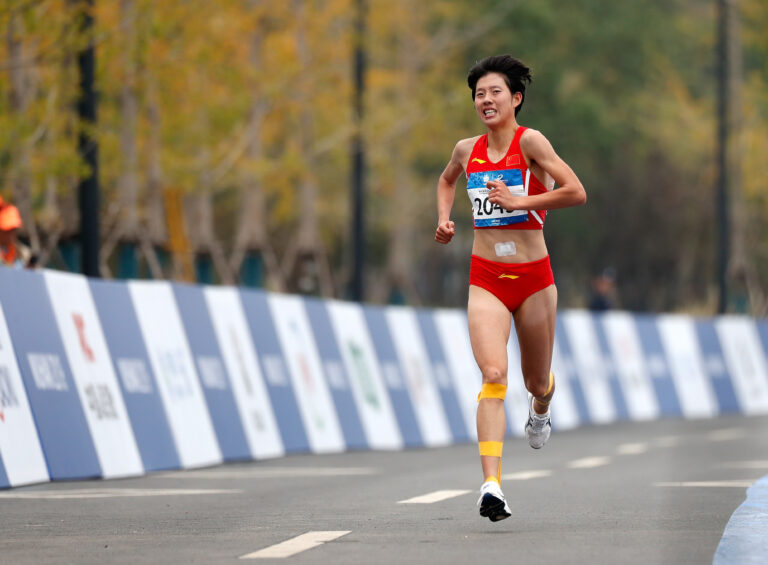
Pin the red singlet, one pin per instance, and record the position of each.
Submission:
(512, 170)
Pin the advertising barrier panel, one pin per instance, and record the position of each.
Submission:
(745, 358)
(363, 368)
(590, 365)
(451, 326)
(177, 380)
(564, 364)
(258, 316)
(245, 376)
(306, 372)
(214, 377)
(657, 365)
(135, 375)
(715, 367)
(93, 374)
(628, 360)
(442, 374)
(21, 456)
(678, 336)
(336, 374)
(61, 424)
(421, 380)
(394, 378)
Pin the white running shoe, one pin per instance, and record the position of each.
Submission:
(538, 427)
(492, 503)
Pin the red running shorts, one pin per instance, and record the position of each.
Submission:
(511, 283)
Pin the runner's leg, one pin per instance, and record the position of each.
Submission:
(535, 327)
(489, 326)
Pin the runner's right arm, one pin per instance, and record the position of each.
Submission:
(446, 190)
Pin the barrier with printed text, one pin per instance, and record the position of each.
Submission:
(115, 379)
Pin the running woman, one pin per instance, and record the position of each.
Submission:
(511, 174)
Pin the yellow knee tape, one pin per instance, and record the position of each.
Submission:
(551, 383)
(492, 390)
(549, 389)
(491, 448)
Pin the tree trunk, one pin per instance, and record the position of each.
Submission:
(306, 261)
(252, 235)
(21, 93)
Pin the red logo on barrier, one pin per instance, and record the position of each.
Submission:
(80, 325)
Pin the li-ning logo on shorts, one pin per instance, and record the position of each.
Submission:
(506, 276)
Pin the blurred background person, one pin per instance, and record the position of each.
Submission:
(13, 253)
(603, 292)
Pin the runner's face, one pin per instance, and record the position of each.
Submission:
(494, 102)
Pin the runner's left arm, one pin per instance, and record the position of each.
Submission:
(570, 191)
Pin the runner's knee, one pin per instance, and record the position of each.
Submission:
(493, 375)
(540, 386)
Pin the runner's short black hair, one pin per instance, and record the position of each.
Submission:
(515, 73)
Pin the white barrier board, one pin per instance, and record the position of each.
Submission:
(590, 365)
(309, 383)
(565, 414)
(373, 402)
(246, 378)
(177, 379)
(746, 362)
(94, 375)
(20, 448)
(634, 376)
(686, 363)
(516, 401)
(454, 336)
(420, 379)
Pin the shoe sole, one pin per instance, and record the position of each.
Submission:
(493, 508)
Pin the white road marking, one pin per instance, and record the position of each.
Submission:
(525, 475)
(432, 497)
(295, 545)
(714, 484)
(726, 434)
(110, 493)
(270, 473)
(668, 441)
(589, 462)
(632, 448)
(745, 465)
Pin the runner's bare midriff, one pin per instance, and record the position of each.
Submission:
(529, 245)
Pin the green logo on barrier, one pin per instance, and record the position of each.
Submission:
(363, 373)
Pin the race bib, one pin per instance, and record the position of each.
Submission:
(485, 212)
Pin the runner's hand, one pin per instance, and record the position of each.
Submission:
(500, 195)
(445, 232)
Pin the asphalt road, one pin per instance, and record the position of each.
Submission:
(645, 493)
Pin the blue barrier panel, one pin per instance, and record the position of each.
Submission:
(4, 482)
(213, 375)
(442, 375)
(715, 366)
(275, 371)
(61, 424)
(336, 374)
(622, 413)
(762, 330)
(135, 375)
(657, 365)
(393, 377)
(566, 356)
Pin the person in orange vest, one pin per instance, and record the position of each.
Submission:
(12, 252)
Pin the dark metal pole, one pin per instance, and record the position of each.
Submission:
(358, 158)
(723, 117)
(88, 189)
